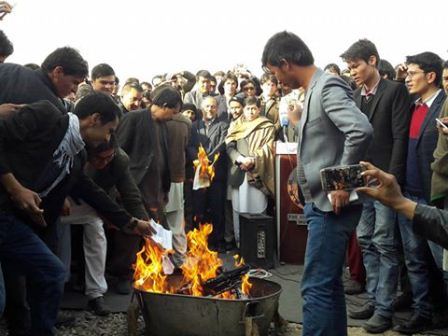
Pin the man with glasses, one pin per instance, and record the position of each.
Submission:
(108, 166)
(423, 78)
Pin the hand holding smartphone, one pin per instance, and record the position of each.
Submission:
(346, 178)
(441, 123)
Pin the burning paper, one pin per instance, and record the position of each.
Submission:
(204, 169)
(202, 268)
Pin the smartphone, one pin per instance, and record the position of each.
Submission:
(440, 122)
(343, 178)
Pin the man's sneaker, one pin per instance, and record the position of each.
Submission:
(377, 324)
(123, 287)
(353, 287)
(416, 324)
(362, 314)
(98, 306)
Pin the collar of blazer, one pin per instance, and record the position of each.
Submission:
(432, 114)
(375, 99)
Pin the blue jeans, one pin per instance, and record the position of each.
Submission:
(324, 310)
(415, 250)
(377, 236)
(22, 252)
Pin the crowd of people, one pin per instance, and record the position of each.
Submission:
(86, 149)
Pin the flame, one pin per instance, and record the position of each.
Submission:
(201, 264)
(149, 274)
(207, 168)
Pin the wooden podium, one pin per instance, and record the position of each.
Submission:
(292, 231)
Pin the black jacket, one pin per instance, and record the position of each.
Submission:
(431, 223)
(117, 178)
(28, 140)
(389, 115)
(213, 142)
(20, 85)
(427, 142)
(135, 135)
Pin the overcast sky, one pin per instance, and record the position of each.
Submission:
(142, 38)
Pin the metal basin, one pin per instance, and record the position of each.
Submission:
(185, 315)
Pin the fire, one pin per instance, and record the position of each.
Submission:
(201, 264)
(206, 167)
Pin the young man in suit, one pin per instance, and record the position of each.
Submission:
(142, 134)
(386, 105)
(41, 161)
(423, 79)
(332, 132)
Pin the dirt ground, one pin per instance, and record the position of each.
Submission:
(296, 330)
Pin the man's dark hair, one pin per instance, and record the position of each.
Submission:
(32, 66)
(102, 70)
(97, 102)
(117, 80)
(428, 62)
(268, 77)
(203, 73)
(219, 73)
(6, 47)
(361, 49)
(146, 83)
(445, 65)
(102, 147)
(69, 59)
(252, 101)
(129, 86)
(228, 75)
(333, 67)
(212, 79)
(286, 46)
(386, 69)
(166, 96)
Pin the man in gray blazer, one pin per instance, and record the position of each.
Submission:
(332, 132)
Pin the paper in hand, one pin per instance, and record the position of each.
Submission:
(200, 182)
(162, 237)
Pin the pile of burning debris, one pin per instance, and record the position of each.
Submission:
(202, 270)
(205, 299)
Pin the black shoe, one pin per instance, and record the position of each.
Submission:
(362, 314)
(353, 287)
(377, 324)
(98, 306)
(416, 324)
(402, 302)
(124, 287)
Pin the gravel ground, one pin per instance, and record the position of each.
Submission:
(88, 324)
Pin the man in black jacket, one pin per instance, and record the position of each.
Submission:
(60, 74)
(41, 161)
(386, 104)
(208, 206)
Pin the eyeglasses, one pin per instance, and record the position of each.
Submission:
(248, 88)
(411, 74)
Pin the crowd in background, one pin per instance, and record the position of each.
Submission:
(144, 169)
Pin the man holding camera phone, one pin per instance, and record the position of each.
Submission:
(332, 132)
